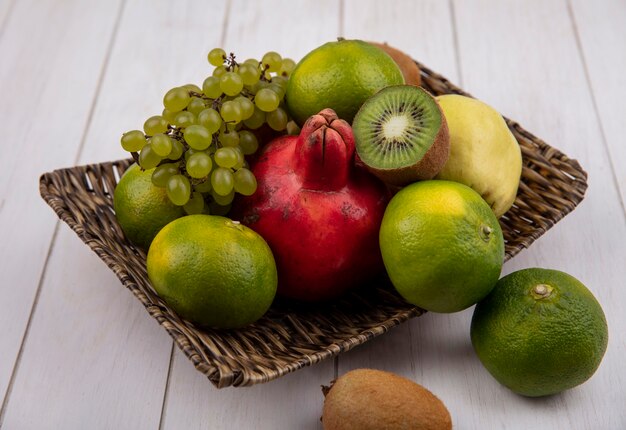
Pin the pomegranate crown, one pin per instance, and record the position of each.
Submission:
(325, 151)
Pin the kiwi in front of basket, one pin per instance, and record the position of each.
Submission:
(365, 399)
(401, 135)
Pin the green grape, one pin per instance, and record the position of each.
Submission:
(133, 141)
(148, 158)
(267, 75)
(229, 138)
(198, 137)
(231, 83)
(240, 158)
(256, 120)
(169, 115)
(199, 165)
(211, 87)
(226, 157)
(222, 181)
(176, 99)
(249, 73)
(184, 119)
(210, 119)
(252, 61)
(219, 71)
(223, 200)
(244, 182)
(287, 66)
(154, 125)
(279, 90)
(292, 128)
(266, 100)
(193, 87)
(277, 119)
(258, 86)
(234, 127)
(203, 187)
(178, 189)
(216, 56)
(190, 152)
(161, 144)
(195, 205)
(230, 112)
(162, 174)
(196, 105)
(272, 61)
(279, 80)
(248, 142)
(177, 150)
(245, 106)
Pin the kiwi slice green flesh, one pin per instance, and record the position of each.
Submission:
(401, 134)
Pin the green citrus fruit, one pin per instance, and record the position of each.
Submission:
(213, 271)
(141, 208)
(539, 332)
(442, 245)
(341, 76)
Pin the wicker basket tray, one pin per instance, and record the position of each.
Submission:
(288, 337)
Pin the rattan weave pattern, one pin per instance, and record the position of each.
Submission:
(290, 337)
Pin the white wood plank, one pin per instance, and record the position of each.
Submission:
(168, 49)
(49, 69)
(602, 32)
(293, 401)
(108, 360)
(93, 358)
(421, 29)
(291, 28)
(5, 11)
(506, 60)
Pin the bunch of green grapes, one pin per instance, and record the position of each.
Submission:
(199, 142)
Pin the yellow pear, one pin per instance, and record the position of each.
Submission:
(484, 154)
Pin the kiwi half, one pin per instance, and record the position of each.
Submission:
(401, 135)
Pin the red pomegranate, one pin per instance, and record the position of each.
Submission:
(317, 210)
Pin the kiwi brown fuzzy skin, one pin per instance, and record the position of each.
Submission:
(410, 70)
(427, 168)
(367, 399)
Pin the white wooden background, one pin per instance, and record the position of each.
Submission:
(77, 351)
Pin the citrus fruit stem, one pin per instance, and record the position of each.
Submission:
(485, 232)
(541, 291)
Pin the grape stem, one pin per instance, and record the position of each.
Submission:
(263, 70)
(231, 64)
(217, 102)
(136, 158)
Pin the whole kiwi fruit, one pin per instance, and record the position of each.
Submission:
(368, 399)
(408, 67)
(401, 135)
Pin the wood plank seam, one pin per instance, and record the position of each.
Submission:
(103, 71)
(20, 352)
(50, 250)
(342, 9)
(167, 386)
(7, 17)
(594, 103)
(455, 40)
(225, 22)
